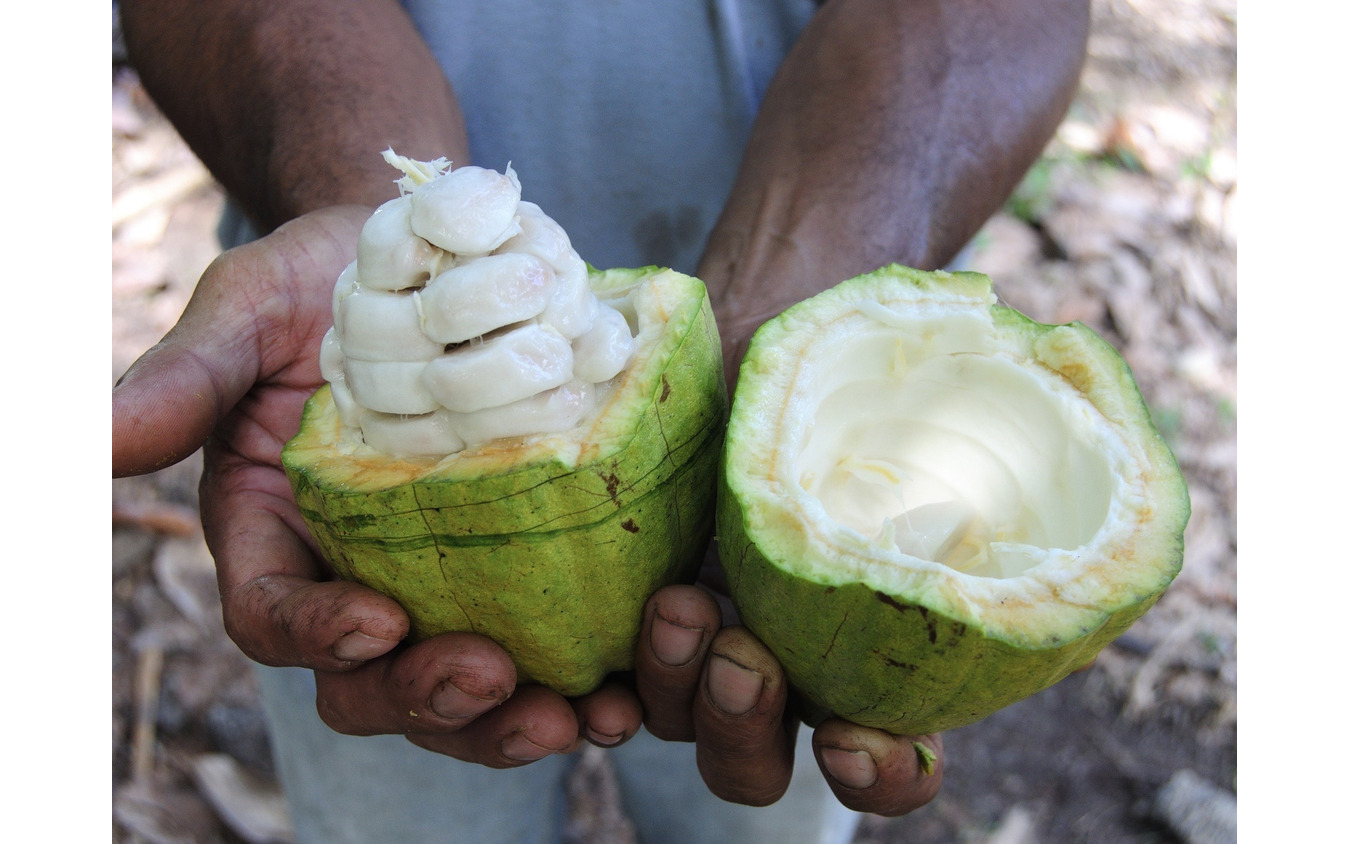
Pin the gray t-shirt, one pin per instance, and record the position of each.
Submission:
(625, 119)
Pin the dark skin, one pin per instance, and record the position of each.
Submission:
(891, 133)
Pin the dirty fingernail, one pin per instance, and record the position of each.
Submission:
(851, 768)
(674, 644)
(520, 749)
(734, 688)
(603, 739)
(450, 701)
(357, 647)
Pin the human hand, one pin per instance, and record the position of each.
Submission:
(717, 685)
(234, 373)
(700, 680)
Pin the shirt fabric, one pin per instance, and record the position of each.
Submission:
(625, 119)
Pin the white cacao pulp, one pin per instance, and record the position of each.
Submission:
(466, 316)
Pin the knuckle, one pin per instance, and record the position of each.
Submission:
(670, 729)
(334, 718)
(259, 619)
(339, 718)
(242, 628)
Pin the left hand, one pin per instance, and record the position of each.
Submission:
(855, 160)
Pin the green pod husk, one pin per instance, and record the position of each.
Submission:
(550, 545)
(926, 374)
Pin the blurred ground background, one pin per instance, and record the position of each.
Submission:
(1128, 224)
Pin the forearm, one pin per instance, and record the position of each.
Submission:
(289, 102)
(891, 132)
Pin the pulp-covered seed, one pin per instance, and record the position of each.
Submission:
(348, 410)
(379, 325)
(555, 410)
(331, 356)
(389, 386)
(426, 435)
(572, 307)
(501, 370)
(483, 295)
(389, 254)
(466, 304)
(931, 531)
(603, 352)
(345, 286)
(468, 211)
(543, 238)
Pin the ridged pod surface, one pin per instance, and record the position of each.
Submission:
(551, 544)
(933, 506)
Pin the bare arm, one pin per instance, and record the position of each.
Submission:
(891, 132)
(288, 102)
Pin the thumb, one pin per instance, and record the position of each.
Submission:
(171, 398)
(255, 307)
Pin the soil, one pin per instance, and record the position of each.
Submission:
(1128, 224)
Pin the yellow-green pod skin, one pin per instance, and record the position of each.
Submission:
(907, 645)
(549, 545)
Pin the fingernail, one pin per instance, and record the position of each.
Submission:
(734, 689)
(358, 647)
(851, 768)
(674, 644)
(603, 739)
(450, 701)
(520, 749)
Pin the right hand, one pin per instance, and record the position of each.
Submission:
(234, 374)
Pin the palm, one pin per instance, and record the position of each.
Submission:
(289, 291)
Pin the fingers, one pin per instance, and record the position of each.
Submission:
(533, 723)
(744, 742)
(456, 694)
(609, 716)
(738, 715)
(453, 694)
(876, 772)
(278, 602)
(678, 625)
(328, 626)
(439, 684)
